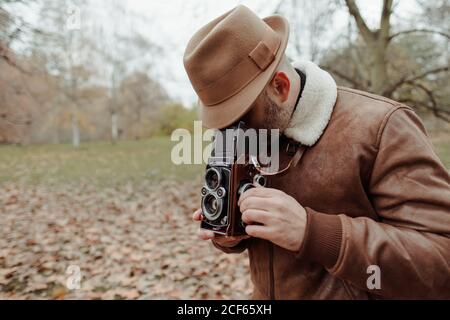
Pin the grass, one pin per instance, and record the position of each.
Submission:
(105, 164)
(97, 163)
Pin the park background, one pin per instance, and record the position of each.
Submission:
(90, 92)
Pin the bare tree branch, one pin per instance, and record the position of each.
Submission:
(395, 86)
(6, 56)
(361, 24)
(385, 21)
(355, 84)
(278, 7)
(4, 117)
(438, 112)
(441, 113)
(419, 30)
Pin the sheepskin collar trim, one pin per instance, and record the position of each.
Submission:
(315, 106)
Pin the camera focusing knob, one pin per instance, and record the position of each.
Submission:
(221, 192)
(224, 220)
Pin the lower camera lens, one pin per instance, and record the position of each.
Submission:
(212, 207)
(212, 178)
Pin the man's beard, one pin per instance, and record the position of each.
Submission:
(275, 117)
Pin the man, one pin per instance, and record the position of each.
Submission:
(366, 212)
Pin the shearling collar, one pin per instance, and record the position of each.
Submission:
(315, 107)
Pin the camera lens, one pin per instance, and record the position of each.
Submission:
(244, 188)
(260, 180)
(212, 178)
(212, 207)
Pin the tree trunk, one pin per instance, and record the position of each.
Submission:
(114, 126)
(377, 41)
(56, 139)
(378, 74)
(75, 132)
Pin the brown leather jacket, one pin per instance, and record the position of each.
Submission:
(375, 194)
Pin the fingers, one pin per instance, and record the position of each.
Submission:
(252, 216)
(197, 215)
(258, 192)
(256, 203)
(202, 234)
(240, 238)
(209, 235)
(258, 231)
(205, 234)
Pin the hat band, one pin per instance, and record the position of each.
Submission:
(242, 73)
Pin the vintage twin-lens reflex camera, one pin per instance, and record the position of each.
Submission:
(232, 169)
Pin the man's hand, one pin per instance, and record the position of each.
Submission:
(209, 235)
(275, 216)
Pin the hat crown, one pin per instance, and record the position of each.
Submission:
(221, 46)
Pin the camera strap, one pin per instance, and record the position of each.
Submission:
(294, 150)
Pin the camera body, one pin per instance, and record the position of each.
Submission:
(229, 173)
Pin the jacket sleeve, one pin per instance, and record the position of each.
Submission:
(410, 243)
(239, 248)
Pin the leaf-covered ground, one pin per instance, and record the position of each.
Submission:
(122, 214)
(129, 243)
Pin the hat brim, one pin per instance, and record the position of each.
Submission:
(230, 111)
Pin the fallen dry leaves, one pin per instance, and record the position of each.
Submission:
(130, 242)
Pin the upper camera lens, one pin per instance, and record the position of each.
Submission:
(212, 178)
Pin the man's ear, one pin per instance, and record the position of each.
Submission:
(280, 86)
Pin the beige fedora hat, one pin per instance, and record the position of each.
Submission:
(230, 60)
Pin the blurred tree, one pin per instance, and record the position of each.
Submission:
(15, 105)
(78, 71)
(175, 116)
(68, 52)
(408, 62)
(141, 98)
(123, 48)
(15, 102)
(388, 63)
(311, 21)
(13, 29)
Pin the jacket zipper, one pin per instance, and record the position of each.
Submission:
(271, 273)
